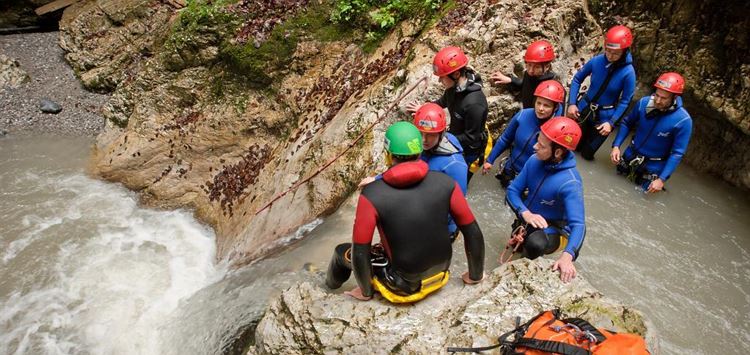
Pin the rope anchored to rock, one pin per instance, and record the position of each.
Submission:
(379, 119)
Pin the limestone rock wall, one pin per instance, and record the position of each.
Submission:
(308, 319)
(708, 42)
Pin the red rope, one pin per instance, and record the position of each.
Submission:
(516, 239)
(380, 117)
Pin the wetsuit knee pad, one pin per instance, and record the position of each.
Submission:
(535, 244)
(340, 267)
(539, 243)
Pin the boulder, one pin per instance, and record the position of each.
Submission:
(11, 74)
(307, 318)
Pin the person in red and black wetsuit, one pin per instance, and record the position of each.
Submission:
(410, 207)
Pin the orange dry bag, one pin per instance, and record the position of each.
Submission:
(546, 334)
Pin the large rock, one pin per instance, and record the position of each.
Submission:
(309, 319)
(708, 42)
(187, 129)
(11, 74)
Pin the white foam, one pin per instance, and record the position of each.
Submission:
(109, 280)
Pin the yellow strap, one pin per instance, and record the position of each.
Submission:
(487, 150)
(429, 285)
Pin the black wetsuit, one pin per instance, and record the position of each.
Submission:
(409, 206)
(468, 109)
(528, 84)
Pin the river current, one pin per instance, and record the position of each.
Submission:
(85, 270)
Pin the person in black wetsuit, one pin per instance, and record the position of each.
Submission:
(409, 206)
(465, 101)
(538, 62)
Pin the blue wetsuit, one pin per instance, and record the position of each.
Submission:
(555, 193)
(447, 157)
(661, 137)
(520, 136)
(612, 103)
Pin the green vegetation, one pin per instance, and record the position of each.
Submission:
(228, 26)
(377, 17)
(277, 50)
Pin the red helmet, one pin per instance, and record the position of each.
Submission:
(563, 131)
(448, 60)
(539, 52)
(671, 82)
(551, 90)
(618, 37)
(430, 118)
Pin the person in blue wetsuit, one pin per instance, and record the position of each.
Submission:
(599, 110)
(520, 135)
(553, 212)
(538, 64)
(442, 151)
(662, 133)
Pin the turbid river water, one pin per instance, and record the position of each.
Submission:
(85, 270)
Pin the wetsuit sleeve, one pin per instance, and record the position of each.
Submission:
(474, 126)
(572, 196)
(441, 101)
(575, 85)
(505, 139)
(473, 238)
(458, 173)
(515, 82)
(513, 196)
(681, 140)
(459, 208)
(365, 221)
(474, 248)
(628, 90)
(627, 125)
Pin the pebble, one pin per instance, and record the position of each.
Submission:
(49, 106)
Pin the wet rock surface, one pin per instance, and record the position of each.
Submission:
(49, 77)
(308, 318)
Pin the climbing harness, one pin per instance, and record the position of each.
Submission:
(379, 119)
(428, 286)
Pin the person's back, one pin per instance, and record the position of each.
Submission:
(407, 202)
(410, 206)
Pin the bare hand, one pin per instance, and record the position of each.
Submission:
(366, 181)
(655, 186)
(573, 112)
(536, 220)
(469, 281)
(604, 128)
(565, 265)
(615, 155)
(357, 293)
(498, 78)
(486, 167)
(412, 107)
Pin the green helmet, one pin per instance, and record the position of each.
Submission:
(403, 138)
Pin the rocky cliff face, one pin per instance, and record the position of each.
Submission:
(205, 115)
(708, 42)
(308, 319)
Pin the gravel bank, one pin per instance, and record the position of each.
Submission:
(51, 78)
